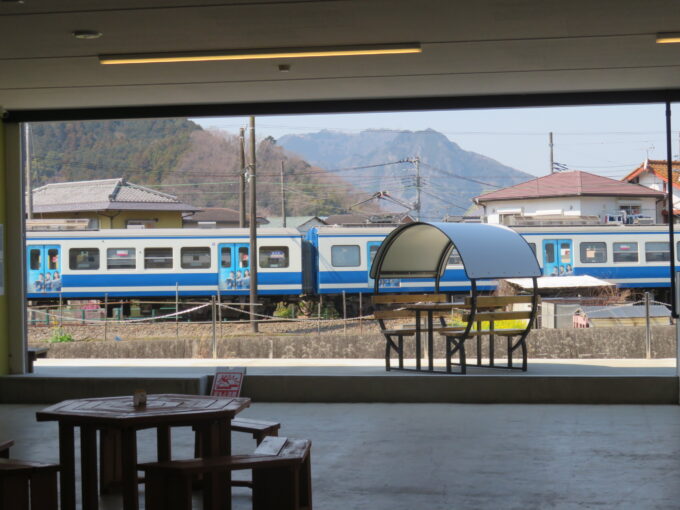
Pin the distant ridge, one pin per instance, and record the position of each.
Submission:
(450, 176)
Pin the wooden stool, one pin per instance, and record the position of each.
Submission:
(281, 478)
(27, 485)
(4, 448)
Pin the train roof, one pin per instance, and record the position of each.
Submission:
(163, 232)
(353, 231)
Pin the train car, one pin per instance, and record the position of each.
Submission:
(631, 256)
(145, 263)
(341, 258)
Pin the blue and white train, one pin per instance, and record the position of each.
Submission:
(327, 261)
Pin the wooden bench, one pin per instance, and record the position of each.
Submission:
(491, 309)
(26, 485)
(4, 448)
(390, 307)
(281, 478)
(33, 353)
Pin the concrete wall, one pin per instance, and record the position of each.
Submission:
(196, 341)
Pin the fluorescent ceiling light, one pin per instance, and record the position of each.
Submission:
(258, 54)
(668, 37)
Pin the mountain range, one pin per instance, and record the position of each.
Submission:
(384, 160)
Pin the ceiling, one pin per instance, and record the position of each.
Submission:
(470, 48)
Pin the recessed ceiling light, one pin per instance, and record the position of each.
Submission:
(87, 34)
(668, 37)
(258, 54)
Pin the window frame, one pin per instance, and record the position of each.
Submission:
(637, 252)
(125, 268)
(71, 258)
(582, 248)
(261, 258)
(358, 253)
(667, 251)
(146, 258)
(204, 249)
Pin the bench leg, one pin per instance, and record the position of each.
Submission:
(401, 352)
(306, 484)
(167, 492)
(14, 492)
(276, 488)
(387, 354)
(509, 352)
(44, 490)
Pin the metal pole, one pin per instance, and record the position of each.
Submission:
(214, 329)
(177, 310)
(27, 170)
(283, 199)
(671, 233)
(361, 313)
(61, 311)
(318, 318)
(648, 329)
(219, 309)
(344, 313)
(253, 228)
(106, 314)
(417, 163)
(242, 181)
(552, 160)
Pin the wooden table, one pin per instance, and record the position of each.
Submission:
(430, 309)
(211, 415)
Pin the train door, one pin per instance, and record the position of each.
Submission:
(558, 257)
(234, 270)
(44, 268)
(372, 247)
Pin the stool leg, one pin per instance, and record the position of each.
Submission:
(110, 462)
(14, 492)
(44, 490)
(306, 484)
(276, 488)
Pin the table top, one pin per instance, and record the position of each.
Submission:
(159, 409)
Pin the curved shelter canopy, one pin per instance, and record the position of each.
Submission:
(422, 249)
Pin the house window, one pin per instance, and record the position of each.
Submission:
(121, 258)
(141, 223)
(84, 259)
(345, 256)
(625, 252)
(593, 253)
(657, 252)
(157, 258)
(195, 258)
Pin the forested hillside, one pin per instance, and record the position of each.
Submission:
(177, 156)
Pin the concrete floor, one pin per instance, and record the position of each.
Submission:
(450, 456)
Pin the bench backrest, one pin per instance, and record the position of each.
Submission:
(399, 300)
(490, 308)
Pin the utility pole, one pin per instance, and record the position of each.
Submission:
(417, 163)
(283, 198)
(552, 160)
(253, 227)
(27, 171)
(242, 181)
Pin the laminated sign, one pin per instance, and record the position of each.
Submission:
(228, 381)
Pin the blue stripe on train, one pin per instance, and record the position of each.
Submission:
(150, 280)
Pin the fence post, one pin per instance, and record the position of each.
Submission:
(344, 313)
(318, 318)
(106, 314)
(361, 313)
(214, 328)
(648, 329)
(219, 309)
(177, 310)
(61, 312)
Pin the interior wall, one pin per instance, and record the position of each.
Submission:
(12, 297)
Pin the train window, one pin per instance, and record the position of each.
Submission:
(454, 258)
(53, 259)
(372, 251)
(657, 252)
(35, 259)
(195, 258)
(157, 258)
(225, 257)
(593, 253)
(274, 256)
(86, 259)
(121, 258)
(550, 253)
(243, 257)
(343, 255)
(625, 252)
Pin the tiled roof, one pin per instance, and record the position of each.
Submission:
(293, 221)
(101, 195)
(659, 167)
(566, 184)
(220, 214)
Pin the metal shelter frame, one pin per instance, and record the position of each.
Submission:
(422, 250)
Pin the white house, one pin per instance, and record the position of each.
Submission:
(572, 197)
(653, 173)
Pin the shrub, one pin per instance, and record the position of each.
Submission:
(283, 310)
(59, 336)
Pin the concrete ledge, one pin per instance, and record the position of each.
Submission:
(43, 390)
(514, 389)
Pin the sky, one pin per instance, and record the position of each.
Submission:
(605, 140)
